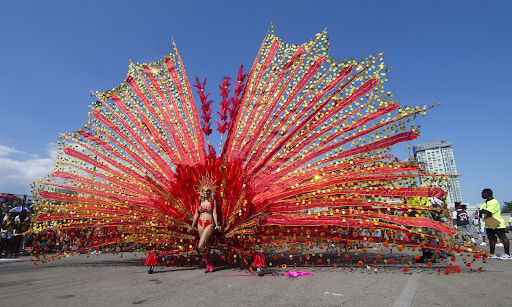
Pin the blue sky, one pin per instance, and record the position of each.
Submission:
(457, 53)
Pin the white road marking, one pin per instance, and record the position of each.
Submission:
(335, 294)
(405, 298)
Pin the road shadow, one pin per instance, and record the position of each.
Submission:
(370, 262)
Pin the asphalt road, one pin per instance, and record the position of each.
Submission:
(108, 280)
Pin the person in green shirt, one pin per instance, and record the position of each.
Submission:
(491, 208)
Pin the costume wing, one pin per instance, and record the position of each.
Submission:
(312, 135)
(305, 157)
(120, 169)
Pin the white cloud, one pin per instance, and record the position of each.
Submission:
(4, 151)
(17, 173)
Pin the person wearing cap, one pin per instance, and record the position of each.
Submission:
(491, 208)
(461, 222)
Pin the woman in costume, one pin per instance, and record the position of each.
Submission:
(206, 219)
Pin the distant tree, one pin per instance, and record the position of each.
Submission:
(507, 207)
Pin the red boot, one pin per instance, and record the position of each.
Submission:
(207, 259)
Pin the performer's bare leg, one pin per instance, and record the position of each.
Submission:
(204, 236)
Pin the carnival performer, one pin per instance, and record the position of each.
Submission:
(206, 218)
(300, 131)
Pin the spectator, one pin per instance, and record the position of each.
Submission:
(427, 254)
(436, 207)
(16, 238)
(6, 238)
(481, 229)
(491, 209)
(25, 225)
(437, 214)
(461, 222)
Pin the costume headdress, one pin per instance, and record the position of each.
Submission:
(206, 182)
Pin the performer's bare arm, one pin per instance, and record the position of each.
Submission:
(214, 213)
(196, 216)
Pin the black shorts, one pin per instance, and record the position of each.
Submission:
(497, 231)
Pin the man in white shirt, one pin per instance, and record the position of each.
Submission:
(461, 222)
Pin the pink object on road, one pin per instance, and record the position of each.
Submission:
(296, 273)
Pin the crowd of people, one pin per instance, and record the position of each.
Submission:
(487, 223)
(15, 221)
(70, 239)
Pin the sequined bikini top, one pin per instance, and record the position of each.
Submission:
(205, 209)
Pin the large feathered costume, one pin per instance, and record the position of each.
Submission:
(303, 162)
